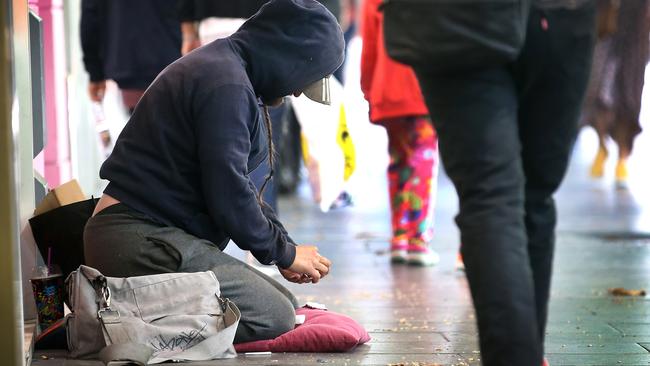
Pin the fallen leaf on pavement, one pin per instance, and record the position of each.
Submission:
(620, 291)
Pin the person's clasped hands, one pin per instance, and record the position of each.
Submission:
(308, 266)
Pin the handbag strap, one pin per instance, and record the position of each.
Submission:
(109, 319)
(111, 326)
(120, 350)
(218, 345)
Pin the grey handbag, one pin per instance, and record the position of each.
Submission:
(149, 319)
(447, 36)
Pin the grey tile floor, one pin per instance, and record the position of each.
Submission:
(423, 316)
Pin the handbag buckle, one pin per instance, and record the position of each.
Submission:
(223, 301)
(100, 284)
(106, 295)
(108, 315)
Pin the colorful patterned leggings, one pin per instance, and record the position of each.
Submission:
(412, 178)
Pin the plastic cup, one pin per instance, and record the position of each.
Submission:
(48, 287)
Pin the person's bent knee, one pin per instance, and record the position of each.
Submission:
(274, 321)
(283, 320)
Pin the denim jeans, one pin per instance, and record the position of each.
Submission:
(505, 137)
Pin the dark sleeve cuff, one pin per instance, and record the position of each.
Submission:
(95, 70)
(97, 77)
(288, 257)
(185, 10)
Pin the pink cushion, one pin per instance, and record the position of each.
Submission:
(322, 331)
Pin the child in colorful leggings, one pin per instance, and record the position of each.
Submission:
(412, 173)
(397, 104)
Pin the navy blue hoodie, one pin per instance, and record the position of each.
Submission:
(184, 156)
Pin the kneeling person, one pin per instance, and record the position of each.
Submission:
(179, 188)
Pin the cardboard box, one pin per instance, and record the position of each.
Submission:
(64, 194)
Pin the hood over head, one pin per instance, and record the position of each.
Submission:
(288, 45)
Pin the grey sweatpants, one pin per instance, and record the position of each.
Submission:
(120, 242)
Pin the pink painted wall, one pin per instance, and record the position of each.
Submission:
(56, 160)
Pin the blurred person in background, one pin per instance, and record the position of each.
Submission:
(613, 102)
(506, 120)
(193, 12)
(348, 21)
(129, 42)
(179, 186)
(228, 16)
(396, 103)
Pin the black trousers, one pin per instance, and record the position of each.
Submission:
(505, 136)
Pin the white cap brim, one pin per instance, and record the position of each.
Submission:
(319, 91)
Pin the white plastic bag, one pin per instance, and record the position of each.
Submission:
(328, 149)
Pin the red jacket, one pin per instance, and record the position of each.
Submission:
(390, 87)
